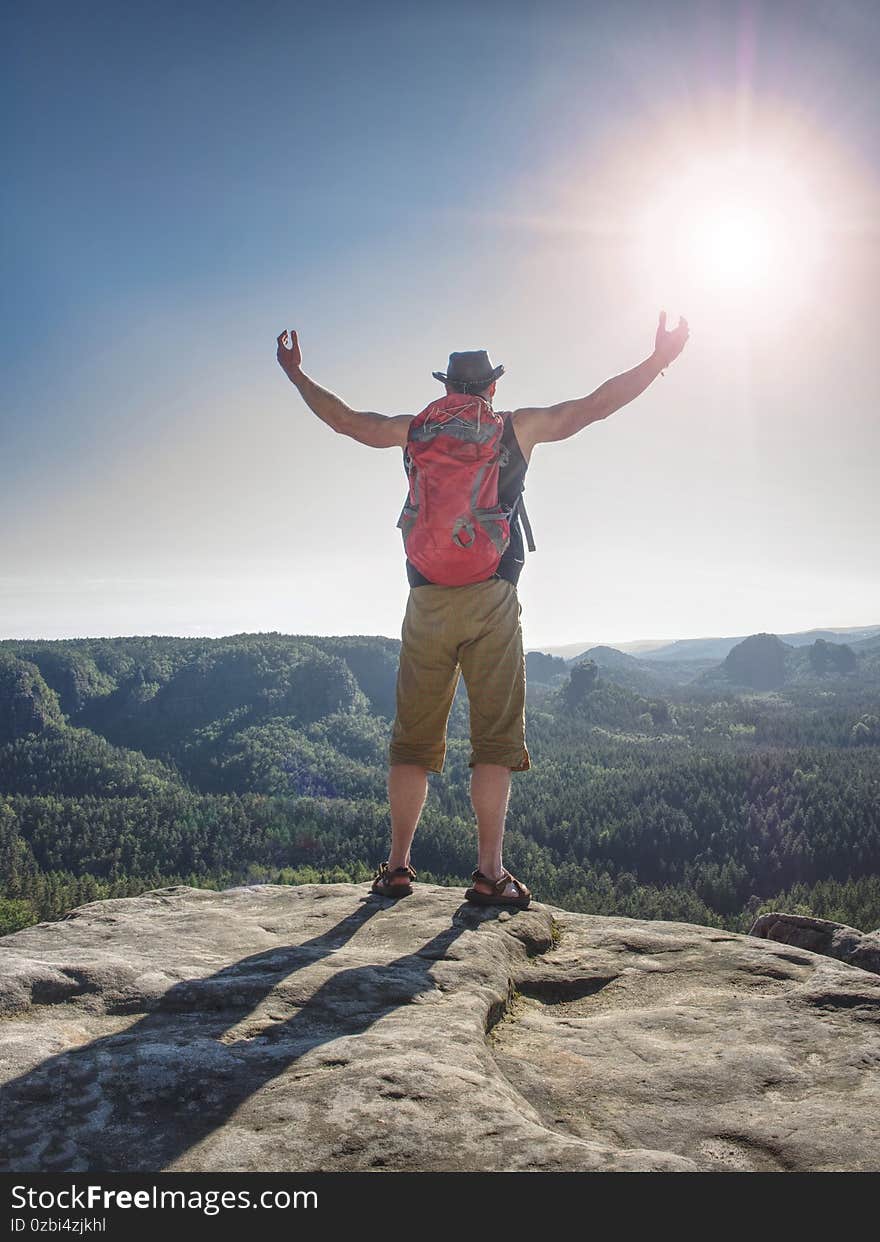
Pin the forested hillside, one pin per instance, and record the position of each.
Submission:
(702, 792)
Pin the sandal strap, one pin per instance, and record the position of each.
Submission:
(501, 883)
(383, 873)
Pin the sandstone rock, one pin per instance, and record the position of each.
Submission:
(320, 1028)
(847, 944)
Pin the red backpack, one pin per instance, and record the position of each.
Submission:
(455, 530)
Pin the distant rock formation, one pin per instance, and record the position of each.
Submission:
(837, 940)
(320, 1028)
(831, 658)
(27, 705)
(583, 678)
(545, 669)
(625, 669)
(758, 661)
(765, 662)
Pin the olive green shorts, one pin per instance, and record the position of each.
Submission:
(473, 630)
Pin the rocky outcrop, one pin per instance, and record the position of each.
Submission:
(27, 705)
(759, 661)
(847, 944)
(319, 1028)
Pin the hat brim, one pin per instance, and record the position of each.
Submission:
(444, 379)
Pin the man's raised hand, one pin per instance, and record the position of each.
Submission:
(668, 345)
(289, 357)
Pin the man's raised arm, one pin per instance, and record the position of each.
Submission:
(558, 422)
(375, 430)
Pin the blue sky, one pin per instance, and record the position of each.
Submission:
(398, 181)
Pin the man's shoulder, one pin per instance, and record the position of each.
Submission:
(519, 429)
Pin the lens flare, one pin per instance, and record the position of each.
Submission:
(732, 226)
(734, 244)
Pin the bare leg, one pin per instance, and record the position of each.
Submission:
(407, 791)
(490, 793)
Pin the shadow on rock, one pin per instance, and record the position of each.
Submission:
(139, 1099)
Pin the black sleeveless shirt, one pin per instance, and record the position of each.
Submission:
(511, 474)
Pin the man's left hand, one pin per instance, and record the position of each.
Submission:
(668, 345)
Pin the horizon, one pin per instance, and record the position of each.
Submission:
(585, 644)
(185, 184)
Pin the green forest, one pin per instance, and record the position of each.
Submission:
(691, 788)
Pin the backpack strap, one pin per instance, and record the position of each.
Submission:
(519, 513)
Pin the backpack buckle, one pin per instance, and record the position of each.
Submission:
(462, 524)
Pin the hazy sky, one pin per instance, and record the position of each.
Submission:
(398, 181)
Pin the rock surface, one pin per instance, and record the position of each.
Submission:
(319, 1028)
(847, 944)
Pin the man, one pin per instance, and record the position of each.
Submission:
(473, 630)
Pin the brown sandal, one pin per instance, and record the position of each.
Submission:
(496, 897)
(383, 885)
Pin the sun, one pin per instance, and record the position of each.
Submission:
(733, 244)
(730, 226)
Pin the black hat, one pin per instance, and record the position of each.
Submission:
(470, 370)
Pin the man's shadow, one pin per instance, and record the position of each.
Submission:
(88, 1110)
